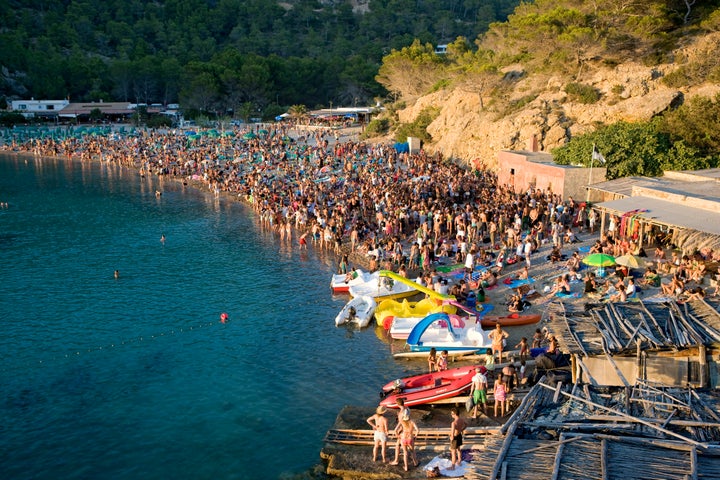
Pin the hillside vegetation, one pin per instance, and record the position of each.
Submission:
(570, 73)
(215, 55)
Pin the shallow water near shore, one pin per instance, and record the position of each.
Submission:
(136, 377)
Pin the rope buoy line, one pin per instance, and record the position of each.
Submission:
(130, 341)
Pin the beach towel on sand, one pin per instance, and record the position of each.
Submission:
(443, 464)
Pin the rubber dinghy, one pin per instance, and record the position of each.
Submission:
(428, 387)
(358, 310)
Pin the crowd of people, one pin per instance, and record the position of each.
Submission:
(344, 194)
(403, 211)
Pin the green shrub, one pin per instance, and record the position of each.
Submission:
(582, 93)
(158, 121)
(376, 127)
(520, 103)
(8, 119)
(417, 128)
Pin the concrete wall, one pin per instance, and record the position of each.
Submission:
(414, 144)
(516, 170)
(523, 169)
(577, 180)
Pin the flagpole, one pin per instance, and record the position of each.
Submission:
(592, 157)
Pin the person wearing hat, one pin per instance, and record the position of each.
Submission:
(406, 432)
(379, 424)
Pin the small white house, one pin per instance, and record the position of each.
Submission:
(32, 107)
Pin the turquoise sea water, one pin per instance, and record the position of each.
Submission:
(136, 377)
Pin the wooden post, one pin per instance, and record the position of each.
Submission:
(603, 460)
(574, 368)
(640, 373)
(558, 458)
(704, 371)
(693, 464)
(558, 389)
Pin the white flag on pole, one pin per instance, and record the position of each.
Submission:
(597, 155)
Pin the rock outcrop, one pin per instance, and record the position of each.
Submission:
(473, 130)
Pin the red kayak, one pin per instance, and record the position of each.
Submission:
(510, 320)
(428, 387)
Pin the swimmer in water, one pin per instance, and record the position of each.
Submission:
(117, 274)
(162, 239)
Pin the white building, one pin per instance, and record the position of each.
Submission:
(32, 107)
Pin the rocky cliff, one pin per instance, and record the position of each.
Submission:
(475, 131)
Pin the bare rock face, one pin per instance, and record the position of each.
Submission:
(470, 128)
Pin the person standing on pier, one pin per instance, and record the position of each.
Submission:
(498, 337)
(457, 427)
(478, 390)
(379, 424)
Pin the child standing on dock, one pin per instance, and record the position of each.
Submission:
(457, 427)
(500, 395)
(432, 360)
(524, 348)
(379, 424)
(442, 361)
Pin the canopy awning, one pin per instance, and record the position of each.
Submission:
(662, 212)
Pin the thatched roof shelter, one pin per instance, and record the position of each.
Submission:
(583, 432)
(614, 343)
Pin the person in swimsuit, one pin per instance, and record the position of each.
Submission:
(442, 361)
(406, 431)
(498, 337)
(457, 427)
(500, 394)
(379, 424)
(432, 360)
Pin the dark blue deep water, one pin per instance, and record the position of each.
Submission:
(136, 377)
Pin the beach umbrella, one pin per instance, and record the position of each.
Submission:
(249, 136)
(631, 261)
(599, 260)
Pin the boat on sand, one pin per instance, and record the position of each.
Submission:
(341, 282)
(440, 332)
(428, 387)
(510, 320)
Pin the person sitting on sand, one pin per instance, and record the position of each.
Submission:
(488, 279)
(561, 286)
(620, 294)
(696, 293)
(675, 287)
(515, 304)
(573, 263)
(650, 278)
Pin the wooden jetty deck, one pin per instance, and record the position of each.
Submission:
(428, 437)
